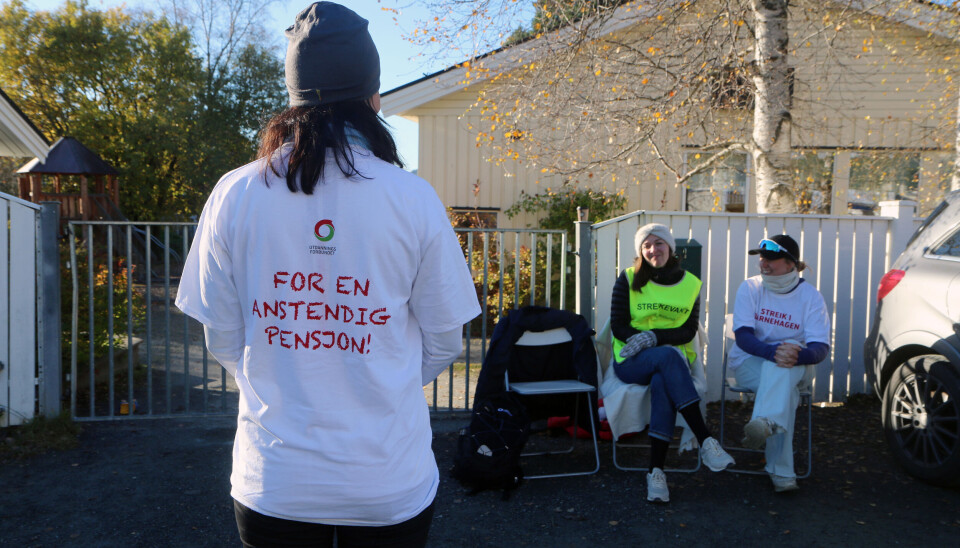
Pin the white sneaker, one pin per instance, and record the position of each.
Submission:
(657, 490)
(757, 431)
(782, 484)
(714, 456)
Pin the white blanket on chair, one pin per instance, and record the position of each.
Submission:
(627, 406)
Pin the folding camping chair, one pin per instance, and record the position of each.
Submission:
(806, 398)
(625, 416)
(575, 387)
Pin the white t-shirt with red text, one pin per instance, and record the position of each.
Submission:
(332, 291)
(800, 315)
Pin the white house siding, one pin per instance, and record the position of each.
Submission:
(883, 86)
(887, 96)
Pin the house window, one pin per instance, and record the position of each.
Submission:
(722, 187)
(812, 181)
(473, 217)
(876, 176)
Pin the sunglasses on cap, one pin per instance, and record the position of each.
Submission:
(770, 245)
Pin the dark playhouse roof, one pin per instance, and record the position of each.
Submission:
(68, 156)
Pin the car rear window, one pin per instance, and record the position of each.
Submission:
(949, 247)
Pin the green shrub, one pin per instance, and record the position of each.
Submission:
(558, 209)
(101, 311)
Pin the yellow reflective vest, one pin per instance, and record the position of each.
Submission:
(661, 307)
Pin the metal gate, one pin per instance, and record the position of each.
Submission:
(133, 354)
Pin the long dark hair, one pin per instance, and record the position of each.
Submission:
(644, 271)
(312, 130)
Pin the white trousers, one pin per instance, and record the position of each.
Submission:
(777, 397)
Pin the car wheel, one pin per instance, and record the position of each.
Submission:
(921, 417)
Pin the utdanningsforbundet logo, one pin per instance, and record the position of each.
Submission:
(323, 231)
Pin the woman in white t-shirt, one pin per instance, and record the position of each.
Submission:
(331, 285)
(782, 329)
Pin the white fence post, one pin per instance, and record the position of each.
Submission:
(901, 228)
(18, 310)
(584, 304)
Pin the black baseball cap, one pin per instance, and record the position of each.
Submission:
(776, 247)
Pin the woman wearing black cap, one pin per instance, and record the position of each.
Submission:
(782, 328)
(331, 285)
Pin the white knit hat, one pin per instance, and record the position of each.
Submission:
(655, 229)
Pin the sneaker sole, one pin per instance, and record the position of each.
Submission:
(718, 469)
(657, 500)
(786, 488)
(755, 435)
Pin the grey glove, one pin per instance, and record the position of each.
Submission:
(638, 342)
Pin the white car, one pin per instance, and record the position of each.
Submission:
(912, 355)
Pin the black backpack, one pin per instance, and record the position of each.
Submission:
(488, 451)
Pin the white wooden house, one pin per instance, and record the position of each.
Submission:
(19, 138)
(874, 119)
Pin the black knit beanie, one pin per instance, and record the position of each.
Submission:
(330, 57)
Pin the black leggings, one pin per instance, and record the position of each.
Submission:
(258, 530)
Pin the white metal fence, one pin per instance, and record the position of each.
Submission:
(19, 241)
(147, 359)
(846, 258)
(171, 374)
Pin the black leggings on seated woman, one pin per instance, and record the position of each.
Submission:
(659, 447)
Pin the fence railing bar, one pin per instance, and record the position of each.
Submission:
(117, 418)
(512, 230)
(223, 389)
(500, 282)
(516, 270)
(130, 398)
(186, 334)
(110, 337)
(469, 327)
(563, 271)
(147, 223)
(74, 319)
(168, 381)
(547, 276)
(484, 315)
(533, 269)
(92, 331)
(149, 311)
(203, 351)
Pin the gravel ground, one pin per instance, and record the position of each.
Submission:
(165, 482)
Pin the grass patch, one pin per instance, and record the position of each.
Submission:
(37, 436)
(460, 368)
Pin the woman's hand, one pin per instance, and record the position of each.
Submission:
(638, 342)
(787, 354)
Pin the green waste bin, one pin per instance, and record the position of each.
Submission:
(689, 252)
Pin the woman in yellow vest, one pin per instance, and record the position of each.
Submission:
(654, 316)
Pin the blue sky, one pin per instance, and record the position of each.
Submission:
(399, 59)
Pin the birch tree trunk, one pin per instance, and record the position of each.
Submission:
(771, 115)
(955, 183)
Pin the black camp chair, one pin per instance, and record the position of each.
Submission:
(547, 357)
